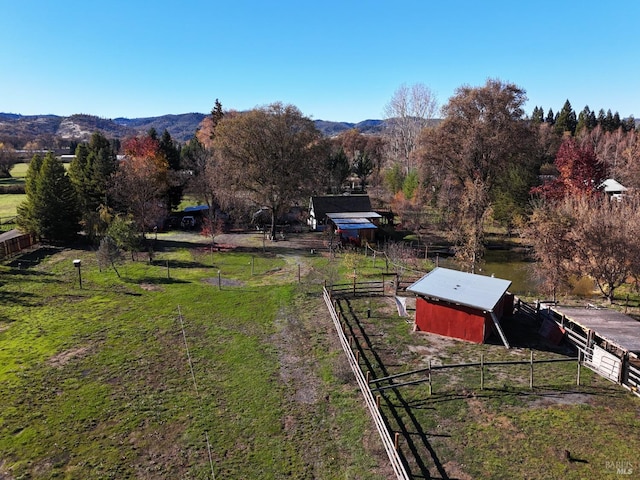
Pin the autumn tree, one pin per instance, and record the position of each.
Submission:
(580, 173)
(548, 232)
(483, 135)
(272, 155)
(588, 236)
(410, 109)
(140, 183)
(50, 210)
(205, 181)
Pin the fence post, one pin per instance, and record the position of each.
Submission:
(354, 282)
(481, 371)
(430, 385)
(531, 372)
(395, 440)
(578, 377)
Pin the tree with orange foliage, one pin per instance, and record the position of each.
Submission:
(141, 182)
(580, 172)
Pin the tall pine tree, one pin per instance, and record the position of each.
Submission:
(90, 173)
(566, 120)
(171, 153)
(51, 208)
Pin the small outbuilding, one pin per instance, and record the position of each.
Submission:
(321, 206)
(461, 305)
(613, 189)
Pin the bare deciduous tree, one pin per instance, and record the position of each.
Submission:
(588, 236)
(109, 254)
(409, 111)
(8, 159)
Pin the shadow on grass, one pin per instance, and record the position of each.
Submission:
(154, 280)
(24, 261)
(401, 412)
(522, 332)
(180, 264)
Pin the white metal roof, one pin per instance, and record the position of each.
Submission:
(475, 291)
(367, 215)
(611, 185)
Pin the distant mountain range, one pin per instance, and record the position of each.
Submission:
(182, 127)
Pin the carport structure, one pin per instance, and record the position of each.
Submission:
(355, 225)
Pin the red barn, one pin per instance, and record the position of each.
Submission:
(460, 305)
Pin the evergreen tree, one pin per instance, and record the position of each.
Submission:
(51, 209)
(583, 120)
(338, 169)
(602, 121)
(216, 115)
(168, 147)
(629, 124)
(608, 122)
(566, 119)
(27, 214)
(616, 122)
(550, 117)
(537, 116)
(90, 173)
(593, 121)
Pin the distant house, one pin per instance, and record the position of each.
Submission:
(614, 189)
(349, 215)
(461, 305)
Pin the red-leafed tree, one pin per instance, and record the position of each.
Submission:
(141, 182)
(580, 172)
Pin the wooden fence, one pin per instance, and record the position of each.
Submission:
(16, 244)
(390, 445)
(482, 367)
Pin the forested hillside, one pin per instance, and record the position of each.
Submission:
(55, 131)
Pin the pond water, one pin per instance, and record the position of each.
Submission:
(508, 265)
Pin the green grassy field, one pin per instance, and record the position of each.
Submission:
(96, 382)
(9, 202)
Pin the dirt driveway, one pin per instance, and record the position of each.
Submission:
(293, 244)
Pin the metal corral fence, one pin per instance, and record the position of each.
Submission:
(621, 367)
(16, 244)
(389, 445)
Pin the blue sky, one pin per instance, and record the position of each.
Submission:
(334, 60)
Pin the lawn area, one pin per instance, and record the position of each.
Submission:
(96, 381)
(9, 204)
(9, 201)
(19, 171)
